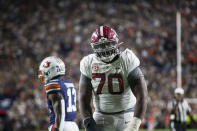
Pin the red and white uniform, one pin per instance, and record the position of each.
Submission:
(111, 90)
(110, 85)
(113, 99)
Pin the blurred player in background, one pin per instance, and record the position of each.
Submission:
(179, 108)
(61, 95)
(116, 81)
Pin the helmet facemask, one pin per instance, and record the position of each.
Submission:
(45, 76)
(41, 76)
(105, 49)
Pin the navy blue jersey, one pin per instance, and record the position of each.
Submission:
(68, 91)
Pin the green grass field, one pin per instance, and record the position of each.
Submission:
(162, 130)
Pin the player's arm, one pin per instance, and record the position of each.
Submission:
(85, 95)
(189, 112)
(174, 108)
(191, 117)
(55, 98)
(138, 86)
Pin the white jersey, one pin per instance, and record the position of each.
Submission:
(111, 89)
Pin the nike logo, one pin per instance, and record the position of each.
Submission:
(126, 122)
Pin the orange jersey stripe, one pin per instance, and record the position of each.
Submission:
(53, 129)
(52, 86)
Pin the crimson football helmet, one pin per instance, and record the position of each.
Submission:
(104, 42)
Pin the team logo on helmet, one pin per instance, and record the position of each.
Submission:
(51, 67)
(95, 67)
(46, 64)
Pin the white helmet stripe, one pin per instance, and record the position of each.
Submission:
(101, 31)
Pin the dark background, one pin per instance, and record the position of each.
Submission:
(31, 30)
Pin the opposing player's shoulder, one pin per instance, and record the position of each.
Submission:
(52, 85)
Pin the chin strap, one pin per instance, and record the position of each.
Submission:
(134, 124)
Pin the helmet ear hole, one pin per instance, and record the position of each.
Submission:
(47, 73)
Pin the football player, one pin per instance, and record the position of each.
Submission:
(116, 82)
(60, 94)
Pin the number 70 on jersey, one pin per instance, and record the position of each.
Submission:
(110, 85)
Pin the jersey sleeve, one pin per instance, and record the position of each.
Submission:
(131, 60)
(188, 107)
(85, 67)
(52, 86)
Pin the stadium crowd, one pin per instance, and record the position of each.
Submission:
(32, 30)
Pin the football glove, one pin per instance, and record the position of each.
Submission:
(90, 124)
(134, 124)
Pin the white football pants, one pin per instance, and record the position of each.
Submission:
(115, 122)
(67, 126)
